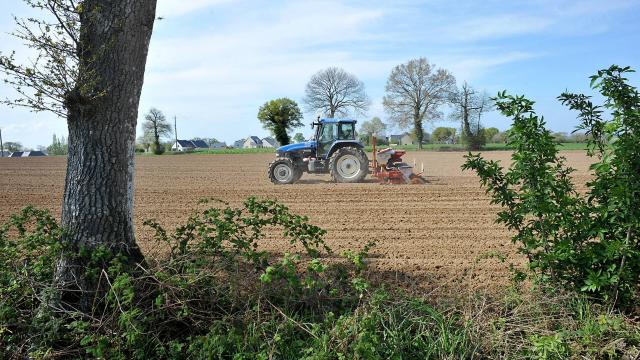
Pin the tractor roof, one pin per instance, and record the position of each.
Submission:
(335, 120)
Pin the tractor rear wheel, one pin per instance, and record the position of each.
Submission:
(348, 165)
(282, 171)
(297, 175)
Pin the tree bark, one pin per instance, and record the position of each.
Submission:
(97, 208)
(417, 121)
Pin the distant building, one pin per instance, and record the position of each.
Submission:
(270, 142)
(218, 145)
(183, 145)
(18, 154)
(239, 143)
(404, 139)
(200, 144)
(252, 142)
(34, 153)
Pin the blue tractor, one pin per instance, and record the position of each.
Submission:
(334, 151)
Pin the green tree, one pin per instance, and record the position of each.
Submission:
(13, 146)
(587, 243)
(374, 126)
(145, 141)
(58, 146)
(299, 137)
(490, 133)
(156, 127)
(443, 135)
(280, 116)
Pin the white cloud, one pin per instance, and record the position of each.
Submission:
(173, 8)
(471, 67)
(499, 26)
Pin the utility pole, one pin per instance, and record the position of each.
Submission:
(1, 145)
(175, 130)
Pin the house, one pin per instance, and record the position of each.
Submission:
(219, 145)
(183, 145)
(252, 142)
(404, 139)
(270, 142)
(200, 144)
(18, 154)
(239, 143)
(33, 153)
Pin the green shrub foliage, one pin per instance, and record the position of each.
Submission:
(212, 293)
(590, 242)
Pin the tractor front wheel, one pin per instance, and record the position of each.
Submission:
(282, 171)
(348, 165)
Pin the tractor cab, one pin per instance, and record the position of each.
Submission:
(332, 132)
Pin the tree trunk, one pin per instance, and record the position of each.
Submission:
(97, 208)
(156, 137)
(417, 121)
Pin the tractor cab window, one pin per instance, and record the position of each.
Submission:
(326, 136)
(328, 133)
(346, 131)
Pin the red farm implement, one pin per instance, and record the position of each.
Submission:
(388, 167)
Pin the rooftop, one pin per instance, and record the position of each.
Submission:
(336, 120)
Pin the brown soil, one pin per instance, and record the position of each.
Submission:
(427, 236)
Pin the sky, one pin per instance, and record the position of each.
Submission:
(213, 63)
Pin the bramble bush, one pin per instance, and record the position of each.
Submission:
(587, 243)
(213, 294)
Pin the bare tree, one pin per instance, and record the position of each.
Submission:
(155, 127)
(333, 91)
(89, 69)
(415, 91)
(468, 107)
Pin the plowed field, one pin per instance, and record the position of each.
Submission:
(429, 236)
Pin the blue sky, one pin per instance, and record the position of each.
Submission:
(212, 63)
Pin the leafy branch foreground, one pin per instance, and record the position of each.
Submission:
(585, 243)
(215, 295)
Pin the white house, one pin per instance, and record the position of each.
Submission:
(183, 145)
(252, 142)
(270, 142)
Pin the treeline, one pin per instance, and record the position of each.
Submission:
(59, 146)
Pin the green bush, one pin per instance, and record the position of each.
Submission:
(215, 295)
(158, 149)
(586, 243)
